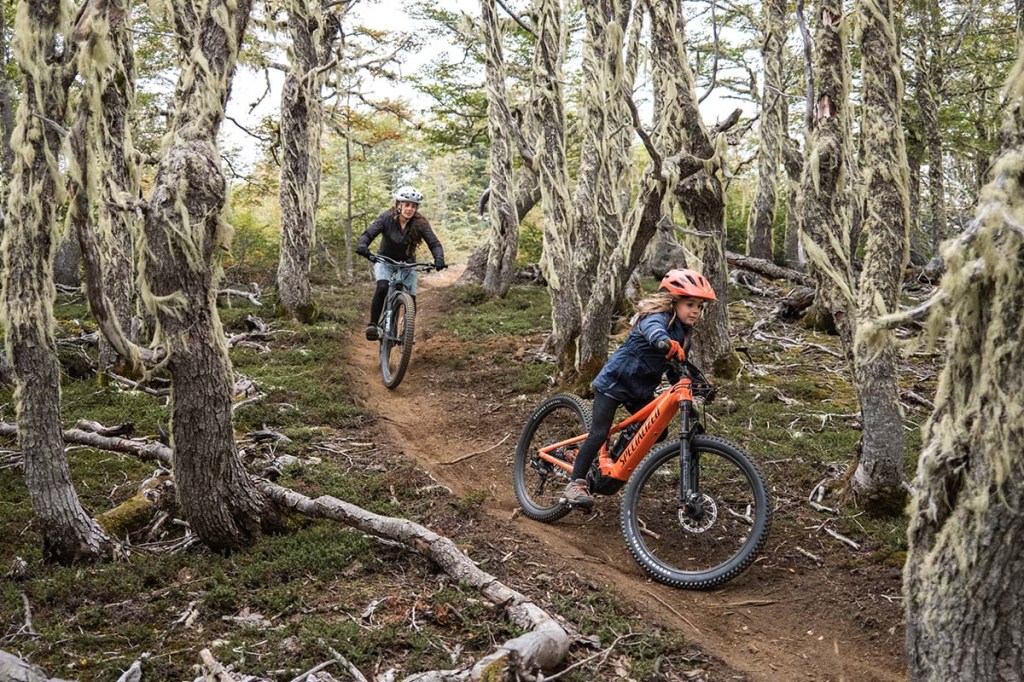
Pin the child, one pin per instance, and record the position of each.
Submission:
(634, 370)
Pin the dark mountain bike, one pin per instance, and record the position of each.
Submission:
(397, 322)
(695, 512)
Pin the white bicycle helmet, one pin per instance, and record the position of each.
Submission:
(409, 193)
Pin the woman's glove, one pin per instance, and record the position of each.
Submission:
(439, 264)
(363, 251)
(674, 350)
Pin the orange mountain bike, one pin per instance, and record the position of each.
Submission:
(695, 511)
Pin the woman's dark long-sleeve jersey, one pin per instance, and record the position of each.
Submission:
(398, 244)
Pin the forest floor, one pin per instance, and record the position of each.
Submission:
(811, 608)
(788, 617)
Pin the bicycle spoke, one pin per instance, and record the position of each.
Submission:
(710, 540)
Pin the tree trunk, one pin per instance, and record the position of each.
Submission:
(794, 163)
(312, 31)
(504, 241)
(560, 229)
(702, 200)
(69, 533)
(185, 233)
(602, 188)
(527, 196)
(67, 263)
(878, 479)
(111, 137)
(6, 112)
(964, 605)
(929, 85)
(769, 153)
(824, 233)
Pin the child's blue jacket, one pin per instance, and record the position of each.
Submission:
(635, 368)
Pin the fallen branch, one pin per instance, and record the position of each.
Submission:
(478, 452)
(252, 297)
(13, 669)
(134, 672)
(813, 557)
(544, 645)
(842, 538)
(144, 450)
(917, 399)
(135, 385)
(670, 608)
(603, 654)
(27, 627)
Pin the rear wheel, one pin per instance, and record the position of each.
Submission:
(716, 537)
(539, 484)
(397, 339)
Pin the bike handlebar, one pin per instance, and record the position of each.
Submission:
(701, 387)
(377, 258)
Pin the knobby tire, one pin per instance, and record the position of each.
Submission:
(665, 544)
(396, 345)
(539, 485)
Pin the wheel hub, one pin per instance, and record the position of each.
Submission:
(699, 514)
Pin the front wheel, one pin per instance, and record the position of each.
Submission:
(539, 484)
(716, 537)
(397, 338)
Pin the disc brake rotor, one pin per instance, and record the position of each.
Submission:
(704, 520)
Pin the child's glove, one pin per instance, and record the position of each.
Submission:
(674, 350)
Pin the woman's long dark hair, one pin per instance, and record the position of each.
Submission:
(413, 233)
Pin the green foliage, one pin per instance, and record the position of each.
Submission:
(531, 242)
(526, 310)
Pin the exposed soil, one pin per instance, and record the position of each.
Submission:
(788, 617)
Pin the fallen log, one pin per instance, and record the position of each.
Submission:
(767, 268)
(543, 647)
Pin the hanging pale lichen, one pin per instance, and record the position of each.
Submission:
(769, 152)
(878, 478)
(962, 620)
(313, 32)
(504, 241)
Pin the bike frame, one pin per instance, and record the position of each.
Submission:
(395, 286)
(654, 418)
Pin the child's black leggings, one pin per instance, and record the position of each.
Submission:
(600, 424)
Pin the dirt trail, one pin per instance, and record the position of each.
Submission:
(774, 623)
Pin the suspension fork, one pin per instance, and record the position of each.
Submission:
(688, 482)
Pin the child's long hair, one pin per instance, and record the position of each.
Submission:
(660, 302)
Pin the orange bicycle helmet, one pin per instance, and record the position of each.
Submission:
(689, 283)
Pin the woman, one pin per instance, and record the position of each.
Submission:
(402, 228)
(664, 321)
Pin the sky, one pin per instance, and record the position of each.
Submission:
(384, 15)
(249, 85)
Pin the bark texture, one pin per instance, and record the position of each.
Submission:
(119, 182)
(558, 261)
(965, 564)
(824, 230)
(769, 153)
(699, 195)
(313, 32)
(878, 479)
(929, 60)
(185, 234)
(69, 533)
(504, 239)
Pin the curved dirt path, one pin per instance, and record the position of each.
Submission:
(774, 623)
